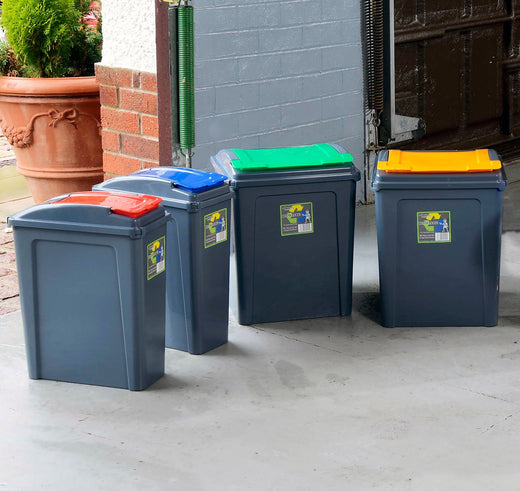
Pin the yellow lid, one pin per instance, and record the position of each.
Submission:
(441, 162)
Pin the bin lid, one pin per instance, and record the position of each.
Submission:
(129, 205)
(439, 162)
(322, 154)
(192, 180)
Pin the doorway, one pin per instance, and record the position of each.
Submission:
(453, 66)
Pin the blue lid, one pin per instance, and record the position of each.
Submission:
(192, 180)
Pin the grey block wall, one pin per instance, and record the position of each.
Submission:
(278, 73)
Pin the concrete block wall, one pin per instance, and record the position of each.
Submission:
(277, 72)
(268, 73)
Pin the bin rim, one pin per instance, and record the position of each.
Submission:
(221, 162)
(383, 180)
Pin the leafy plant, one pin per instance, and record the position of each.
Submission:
(9, 64)
(53, 38)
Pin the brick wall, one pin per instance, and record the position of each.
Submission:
(129, 119)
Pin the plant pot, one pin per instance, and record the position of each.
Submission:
(53, 125)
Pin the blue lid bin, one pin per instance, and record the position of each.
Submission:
(197, 273)
(293, 231)
(439, 225)
(91, 270)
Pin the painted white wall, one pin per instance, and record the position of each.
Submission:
(129, 34)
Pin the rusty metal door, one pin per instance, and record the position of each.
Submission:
(457, 68)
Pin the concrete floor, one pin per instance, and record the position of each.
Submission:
(328, 404)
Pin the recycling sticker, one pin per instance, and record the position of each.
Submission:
(433, 227)
(215, 228)
(155, 258)
(296, 218)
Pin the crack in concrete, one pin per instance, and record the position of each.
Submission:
(496, 424)
(484, 394)
(298, 340)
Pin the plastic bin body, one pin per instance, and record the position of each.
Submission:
(93, 311)
(281, 274)
(448, 282)
(197, 276)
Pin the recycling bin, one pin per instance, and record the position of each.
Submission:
(293, 231)
(197, 273)
(91, 270)
(439, 224)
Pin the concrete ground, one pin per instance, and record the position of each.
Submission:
(326, 404)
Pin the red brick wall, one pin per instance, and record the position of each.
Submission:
(129, 119)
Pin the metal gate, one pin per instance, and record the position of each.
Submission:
(456, 67)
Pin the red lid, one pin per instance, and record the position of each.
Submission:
(129, 205)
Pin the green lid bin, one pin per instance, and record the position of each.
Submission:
(293, 224)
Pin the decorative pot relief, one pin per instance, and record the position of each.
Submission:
(22, 137)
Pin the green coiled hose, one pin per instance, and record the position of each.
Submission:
(186, 78)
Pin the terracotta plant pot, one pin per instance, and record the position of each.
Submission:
(53, 125)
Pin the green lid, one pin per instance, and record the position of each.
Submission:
(320, 155)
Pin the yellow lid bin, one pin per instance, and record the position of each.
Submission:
(438, 162)
(439, 224)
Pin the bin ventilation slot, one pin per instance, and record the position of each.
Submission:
(130, 205)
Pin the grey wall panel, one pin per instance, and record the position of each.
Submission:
(278, 73)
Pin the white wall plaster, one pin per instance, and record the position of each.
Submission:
(129, 34)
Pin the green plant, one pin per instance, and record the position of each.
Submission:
(51, 38)
(9, 64)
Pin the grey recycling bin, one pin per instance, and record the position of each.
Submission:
(197, 277)
(439, 224)
(91, 269)
(293, 231)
